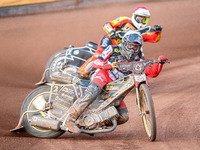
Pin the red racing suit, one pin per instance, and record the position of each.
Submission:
(119, 24)
(105, 74)
(124, 24)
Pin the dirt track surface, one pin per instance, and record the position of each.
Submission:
(28, 41)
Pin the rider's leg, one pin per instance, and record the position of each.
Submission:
(79, 106)
(82, 103)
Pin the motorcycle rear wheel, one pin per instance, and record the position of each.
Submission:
(34, 101)
(148, 113)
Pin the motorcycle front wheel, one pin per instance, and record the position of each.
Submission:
(148, 113)
(36, 100)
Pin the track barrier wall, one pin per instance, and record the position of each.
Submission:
(6, 3)
(22, 7)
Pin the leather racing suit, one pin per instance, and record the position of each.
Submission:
(104, 75)
(119, 24)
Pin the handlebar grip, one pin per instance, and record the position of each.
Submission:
(152, 30)
(161, 62)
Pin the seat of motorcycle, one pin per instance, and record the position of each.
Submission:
(91, 45)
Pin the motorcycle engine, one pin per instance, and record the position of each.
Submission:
(93, 120)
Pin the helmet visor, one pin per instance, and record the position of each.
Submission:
(142, 19)
(132, 47)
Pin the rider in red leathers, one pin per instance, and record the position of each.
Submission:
(139, 20)
(128, 50)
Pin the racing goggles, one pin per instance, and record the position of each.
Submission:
(141, 19)
(132, 47)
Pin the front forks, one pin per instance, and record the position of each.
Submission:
(138, 100)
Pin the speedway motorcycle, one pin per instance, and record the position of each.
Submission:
(44, 109)
(71, 58)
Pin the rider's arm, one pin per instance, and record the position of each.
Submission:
(100, 62)
(152, 37)
(154, 70)
(106, 53)
(114, 24)
(107, 27)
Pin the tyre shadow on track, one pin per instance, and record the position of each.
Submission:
(139, 135)
(130, 135)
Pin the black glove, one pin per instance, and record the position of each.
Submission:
(112, 34)
(158, 28)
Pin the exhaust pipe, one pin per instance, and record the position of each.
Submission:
(46, 123)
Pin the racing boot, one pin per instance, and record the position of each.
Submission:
(79, 106)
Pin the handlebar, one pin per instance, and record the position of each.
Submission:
(138, 66)
(121, 34)
(161, 62)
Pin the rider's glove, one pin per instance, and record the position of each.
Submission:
(109, 66)
(112, 34)
(158, 28)
(162, 59)
(99, 64)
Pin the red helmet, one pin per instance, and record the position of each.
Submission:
(140, 17)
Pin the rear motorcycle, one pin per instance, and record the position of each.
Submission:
(45, 108)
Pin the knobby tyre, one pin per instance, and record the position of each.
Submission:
(34, 101)
(148, 113)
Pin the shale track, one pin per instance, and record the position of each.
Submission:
(26, 43)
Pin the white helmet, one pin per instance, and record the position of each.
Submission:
(140, 17)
